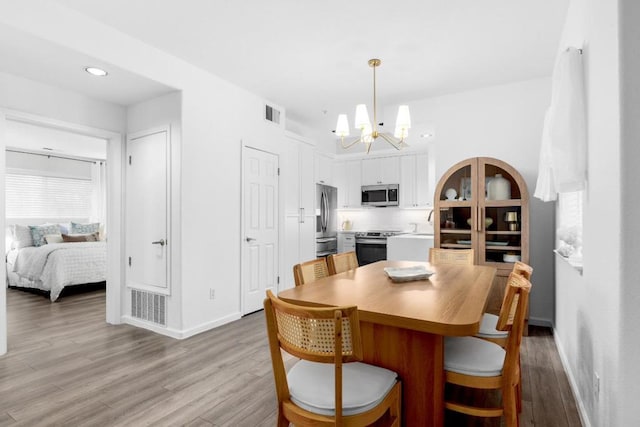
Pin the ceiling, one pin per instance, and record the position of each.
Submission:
(41, 60)
(311, 57)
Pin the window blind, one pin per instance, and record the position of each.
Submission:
(35, 196)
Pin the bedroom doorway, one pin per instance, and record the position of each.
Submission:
(109, 208)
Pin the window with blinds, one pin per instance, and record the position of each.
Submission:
(35, 196)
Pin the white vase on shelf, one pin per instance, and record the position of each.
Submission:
(498, 188)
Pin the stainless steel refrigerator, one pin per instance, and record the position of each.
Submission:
(326, 220)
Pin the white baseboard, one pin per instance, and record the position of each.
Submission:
(177, 333)
(582, 411)
(210, 325)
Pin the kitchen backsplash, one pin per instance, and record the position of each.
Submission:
(386, 219)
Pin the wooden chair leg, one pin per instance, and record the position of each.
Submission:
(519, 387)
(282, 421)
(510, 406)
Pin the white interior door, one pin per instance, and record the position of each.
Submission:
(260, 239)
(147, 243)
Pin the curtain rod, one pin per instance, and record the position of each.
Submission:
(56, 156)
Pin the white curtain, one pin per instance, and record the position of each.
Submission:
(563, 153)
(99, 193)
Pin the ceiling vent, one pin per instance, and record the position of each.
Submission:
(271, 114)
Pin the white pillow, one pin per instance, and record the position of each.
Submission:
(53, 238)
(21, 236)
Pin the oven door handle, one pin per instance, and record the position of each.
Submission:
(372, 241)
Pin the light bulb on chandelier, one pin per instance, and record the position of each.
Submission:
(369, 132)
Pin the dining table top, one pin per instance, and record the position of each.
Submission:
(450, 302)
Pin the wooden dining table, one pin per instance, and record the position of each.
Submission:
(403, 324)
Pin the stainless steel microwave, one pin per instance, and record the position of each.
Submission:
(380, 195)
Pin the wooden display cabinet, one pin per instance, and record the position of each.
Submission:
(497, 230)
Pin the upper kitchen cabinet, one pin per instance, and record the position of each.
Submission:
(415, 182)
(381, 170)
(323, 169)
(348, 180)
(483, 204)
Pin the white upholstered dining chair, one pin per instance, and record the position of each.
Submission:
(476, 363)
(329, 386)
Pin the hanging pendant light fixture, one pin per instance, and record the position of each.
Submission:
(369, 132)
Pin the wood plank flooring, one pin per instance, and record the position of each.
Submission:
(67, 367)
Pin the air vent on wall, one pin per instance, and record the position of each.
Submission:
(149, 306)
(271, 114)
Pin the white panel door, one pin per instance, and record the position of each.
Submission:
(147, 244)
(260, 244)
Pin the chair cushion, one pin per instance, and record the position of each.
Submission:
(488, 327)
(364, 386)
(473, 356)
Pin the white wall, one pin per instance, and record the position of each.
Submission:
(630, 199)
(595, 312)
(504, 122)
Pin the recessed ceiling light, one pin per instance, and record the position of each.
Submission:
(94, 71)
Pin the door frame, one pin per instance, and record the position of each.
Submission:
(115, 216)
(244, 148)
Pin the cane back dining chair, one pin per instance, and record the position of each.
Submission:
(342, 262)
(476, 363)
(310, 271)
(450, 256)
(329, 386)
(488, 329)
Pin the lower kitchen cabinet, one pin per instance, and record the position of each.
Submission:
(346, 241)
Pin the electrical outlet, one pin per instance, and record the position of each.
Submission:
(212, 294)
(596, 385)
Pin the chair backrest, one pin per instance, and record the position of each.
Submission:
(525, 270)
(512, 318)
(450, 256)
(342, 262)
(310, 271)
(325, 335)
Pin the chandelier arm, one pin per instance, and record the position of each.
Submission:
(349, 145)
(391, 140)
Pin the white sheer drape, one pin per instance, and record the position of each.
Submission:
(99, 193)
(563, 153)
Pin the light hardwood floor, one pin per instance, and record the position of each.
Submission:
(67, 367)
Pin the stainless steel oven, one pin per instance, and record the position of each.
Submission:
(371, 246)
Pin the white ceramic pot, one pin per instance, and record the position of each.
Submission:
(499, 188)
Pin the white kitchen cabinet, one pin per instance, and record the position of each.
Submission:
(415, 185)
(381, 170)
(297, 182)
(346, 241)
(348, 180)
(323, 169)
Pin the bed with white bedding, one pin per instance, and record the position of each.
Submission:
(51, 267)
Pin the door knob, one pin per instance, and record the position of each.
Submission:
(160, 242)
(249, 239)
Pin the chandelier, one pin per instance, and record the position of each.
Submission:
(369, 132)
